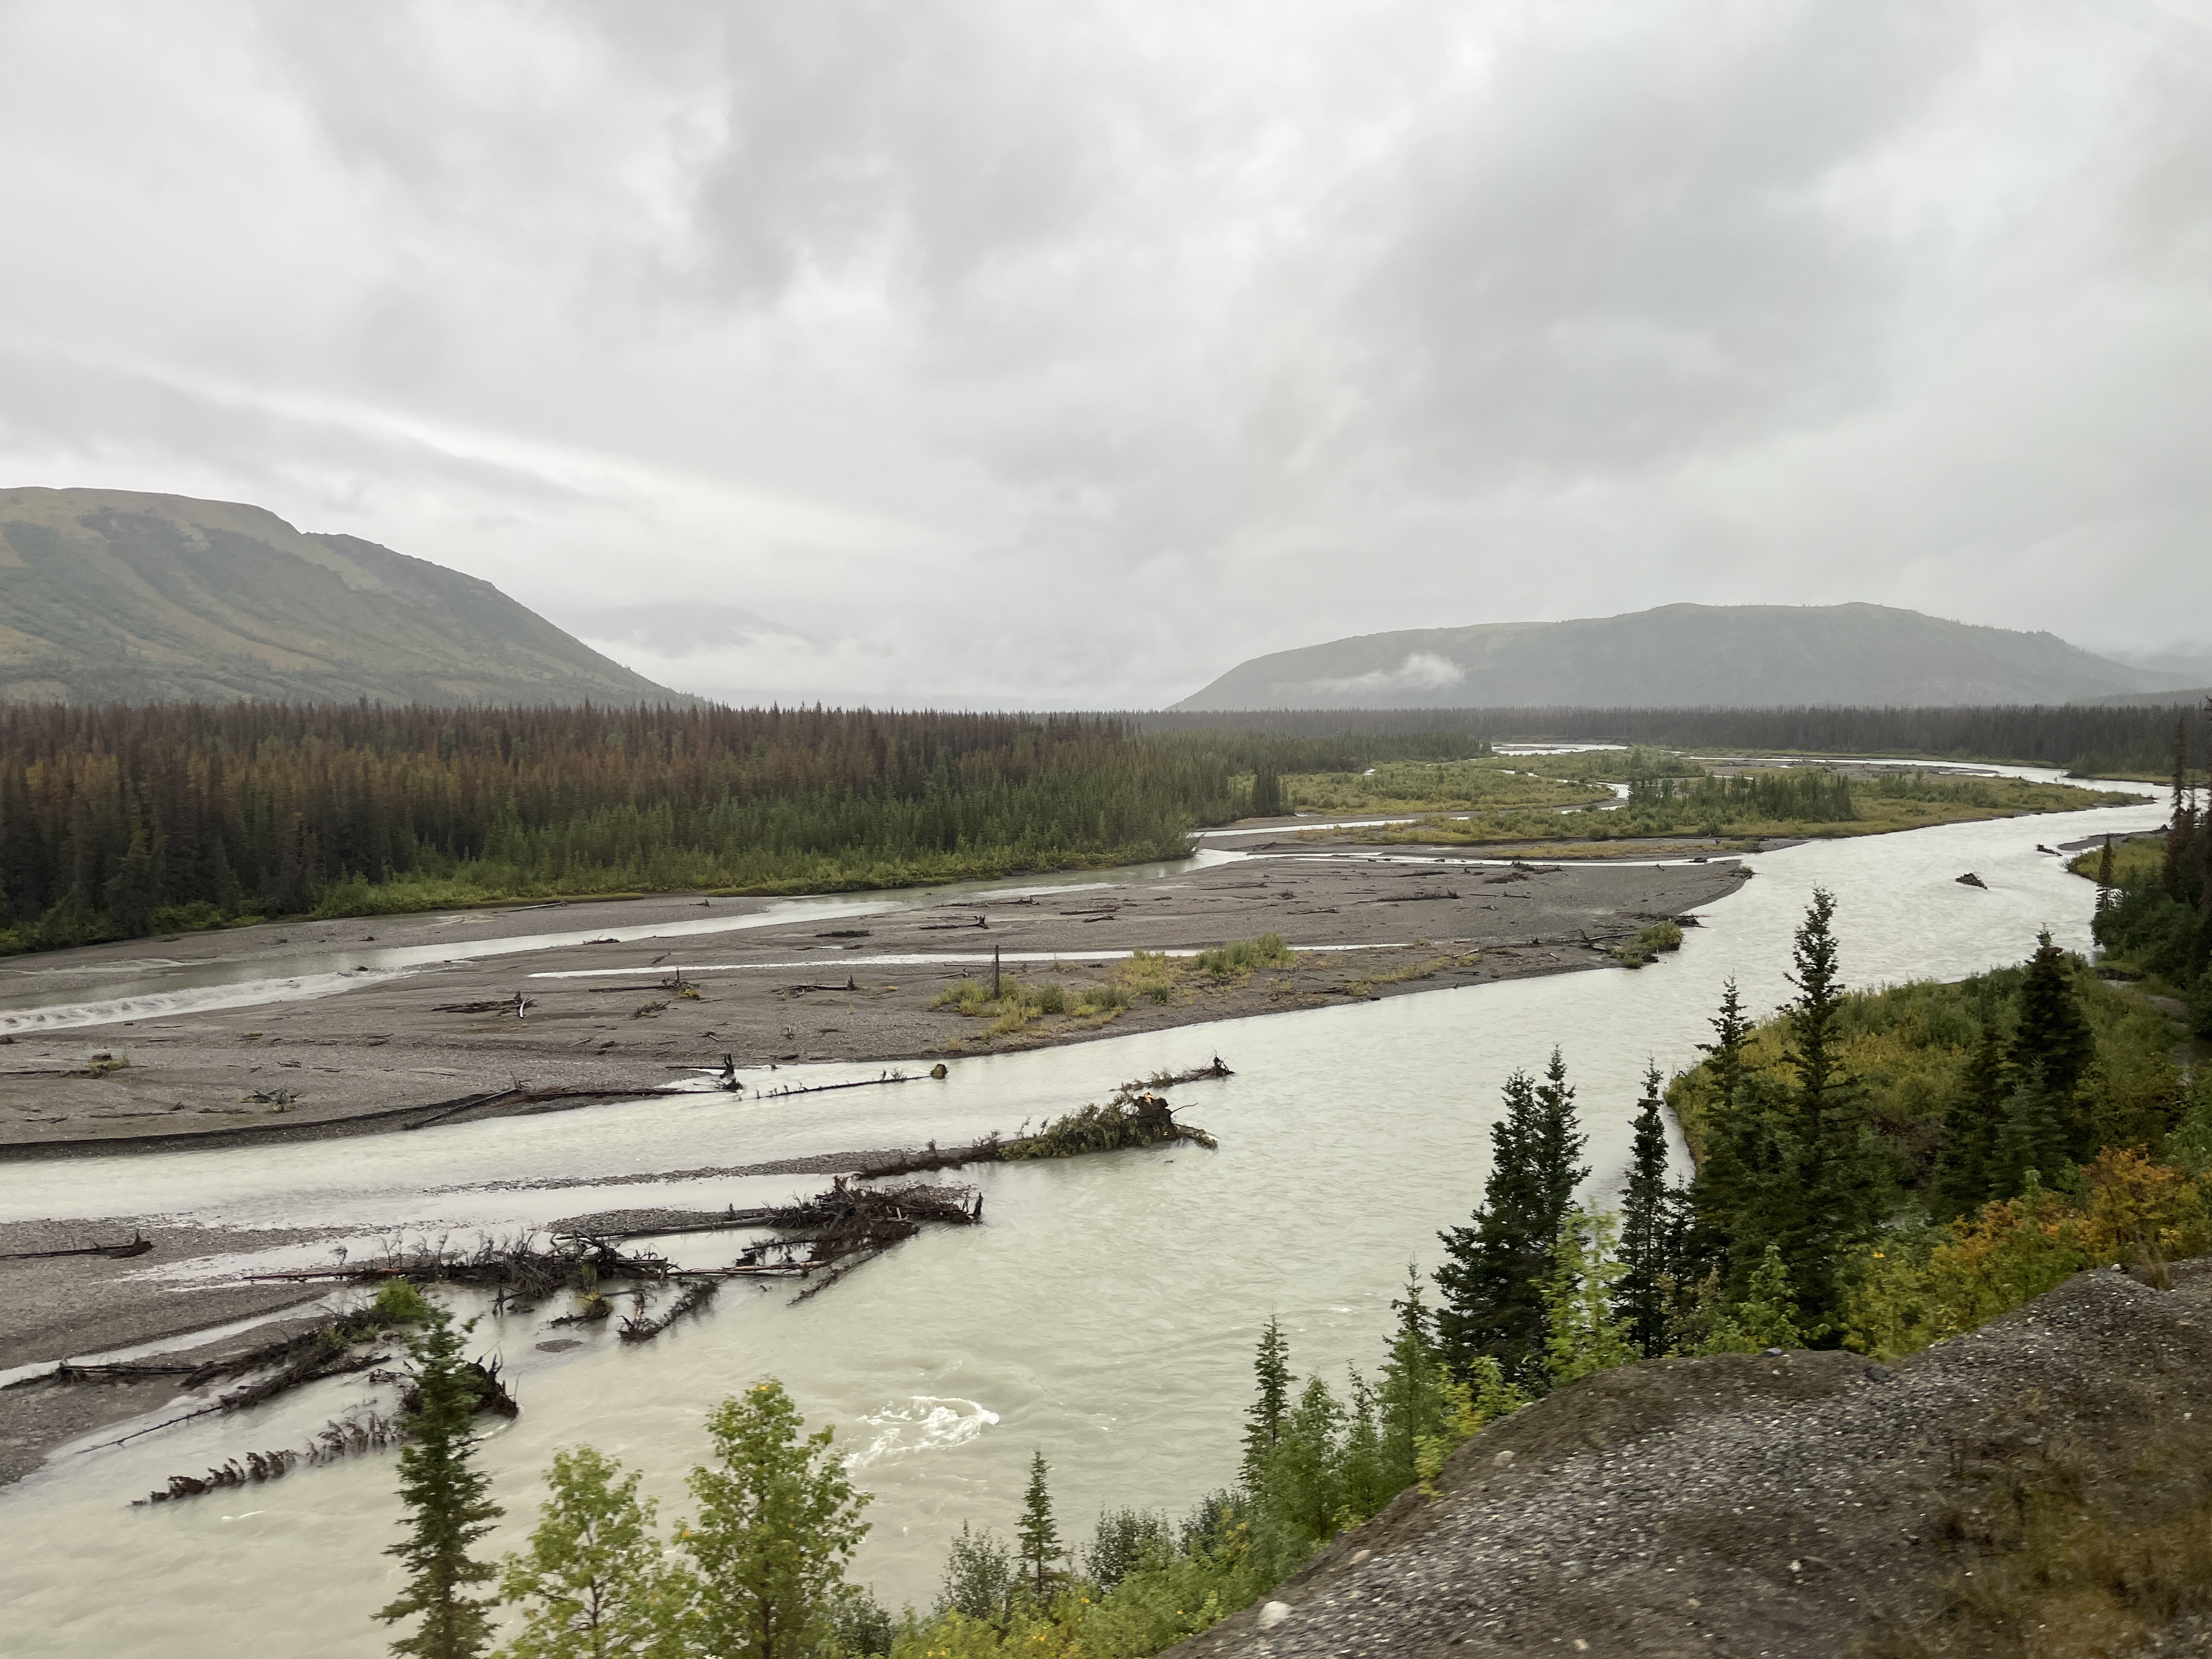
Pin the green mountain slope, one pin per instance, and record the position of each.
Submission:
(1682, 656)
(110, 595)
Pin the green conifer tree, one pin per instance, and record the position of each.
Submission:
(449, 1507)
(1360, 1467)
(778, 1520)
(2031, 1140)
(1840, 1164)
(1038, 1535)
(1970, 1117)
(1264, 1419)
(1734, 1153)
(1491, 1279)
(2052, 1037)
(1411, 1395)
(1650, 1230)
(1302, 1500)
(1732, 1029)
(1556, 1146)
(593, 1582)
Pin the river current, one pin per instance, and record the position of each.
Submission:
(1105, 1315)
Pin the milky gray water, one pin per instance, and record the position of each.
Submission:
(1104, 1314)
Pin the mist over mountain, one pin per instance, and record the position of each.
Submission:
(1684, 655)
(114, 595)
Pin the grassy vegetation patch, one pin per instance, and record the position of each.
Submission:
(1649, 944)
(1433, 786)
(1745, 811)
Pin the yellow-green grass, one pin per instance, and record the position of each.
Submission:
(2131, 857)
(1151, 975)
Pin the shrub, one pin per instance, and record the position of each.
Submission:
(1648, 943)
(1241, 956)
(194, 918)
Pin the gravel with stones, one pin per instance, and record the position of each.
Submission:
(1760, 1504)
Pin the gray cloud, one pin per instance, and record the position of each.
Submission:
(1067, 354)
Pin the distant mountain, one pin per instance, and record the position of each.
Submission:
(1746, 656)
(108, 595)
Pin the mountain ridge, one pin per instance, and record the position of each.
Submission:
(1682, 655)
(110, 595)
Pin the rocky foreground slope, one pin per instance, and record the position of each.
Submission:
(2038, 1487)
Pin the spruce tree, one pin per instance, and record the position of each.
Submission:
(1491, 1280)
(1839, 1163)
(1264, 1419)
(1649, 1229)
(1038, 1535)
(448, 1504)
(1302, 1499)
(1362, 1471)
(1556, 1146)
(1961, 1184)
(1412, 1396)
(1732, 1029)
(2052, 1037)
(2031, 1139)
(1710, 1211)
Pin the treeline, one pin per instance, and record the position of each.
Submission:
(117, 821)
(1810, 795)
(2089, 739)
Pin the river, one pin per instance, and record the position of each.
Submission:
(1105, 1315)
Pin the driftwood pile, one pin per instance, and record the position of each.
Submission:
(836, 1231)
(519, 1273)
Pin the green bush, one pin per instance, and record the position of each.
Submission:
(194, 918)
(1241, 956)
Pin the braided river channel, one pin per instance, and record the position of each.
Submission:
(1103, 1314)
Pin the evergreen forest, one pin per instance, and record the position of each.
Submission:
(118, 820)
(2154, 900)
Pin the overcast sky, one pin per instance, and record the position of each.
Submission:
(1066, 354)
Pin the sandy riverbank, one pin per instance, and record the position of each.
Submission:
(847, 988)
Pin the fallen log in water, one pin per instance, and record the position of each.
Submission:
(695, 1296)
(1219, 1068)
(1131, 1119)
(138, 1245)
(885, 1081)
(341, 1438)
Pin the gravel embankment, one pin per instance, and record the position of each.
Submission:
(1786, 1505)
